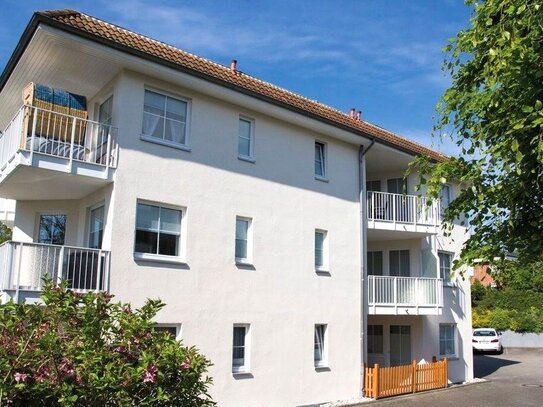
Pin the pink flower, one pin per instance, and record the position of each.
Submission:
(42, 374)
(185, 365)
(66, 368)
(150, 374)
(120, 349)
(21, 377)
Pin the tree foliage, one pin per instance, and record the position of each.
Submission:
(85, 350)
(494, 112)
(5, 233)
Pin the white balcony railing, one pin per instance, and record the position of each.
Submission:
(405, 292)
(24, 265)
(399, 208)
(55, 134)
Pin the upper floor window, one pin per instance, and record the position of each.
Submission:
(445, 197)
(164, 118)
(243, 240)
(399, 263)
(375, 263)
(445, 266)
(52, 229)
(321, 252)
(320, 159)
(158, 230)
(246, 138)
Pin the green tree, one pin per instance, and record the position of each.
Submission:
(5, 233)
(85, 350)
(494, 112)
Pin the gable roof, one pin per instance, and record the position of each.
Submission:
(124, 40)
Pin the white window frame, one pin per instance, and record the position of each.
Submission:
(325, 267)
(251, 156)
(246, 367)
(447, 280)
(249, 259)
(88, 221)
(172, 325)
(454, 339)
(181, 249)
(323, 363)
(181, 146)
(324, 176)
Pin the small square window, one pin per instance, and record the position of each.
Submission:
(240, 348)
(320, 160)
(246, 138)
(52, 229)
(164, 119)
(243, 240)
(320, 355)
(158, 230)
(447, 333)
(172, 330)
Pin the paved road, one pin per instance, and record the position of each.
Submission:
(515, 379)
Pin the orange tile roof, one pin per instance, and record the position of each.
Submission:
(128, 41)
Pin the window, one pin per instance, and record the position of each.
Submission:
(52, 229)
(446, 340)
(321, 346)
(240, 349)
(373, 185)
(246, 137)
(243, 231)
(96, 227)
(399, 263)
(171, 330)
(164, 118)
(445, 263)
(397, 185)
(375, 339)
(158, 230)
(320, 160)
(321, 255)
(445, 197)
(375, 263)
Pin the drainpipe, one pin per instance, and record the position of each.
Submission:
(363, 250)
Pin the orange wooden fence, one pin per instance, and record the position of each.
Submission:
(390, 381)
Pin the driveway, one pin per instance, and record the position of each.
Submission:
(515, 379)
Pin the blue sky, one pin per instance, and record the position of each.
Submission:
(382, 57)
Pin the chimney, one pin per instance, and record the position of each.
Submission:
(233, 66)
(352, 113)
(358, 115)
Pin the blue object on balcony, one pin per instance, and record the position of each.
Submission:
(60, 97)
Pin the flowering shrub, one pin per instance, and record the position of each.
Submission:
(85, 350)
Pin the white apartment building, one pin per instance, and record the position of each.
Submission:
(275, 228)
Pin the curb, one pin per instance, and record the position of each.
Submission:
(412, 395)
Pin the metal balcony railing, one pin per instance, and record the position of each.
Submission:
(407, 209)
(405, 291)
(24, 265)
(60, 135)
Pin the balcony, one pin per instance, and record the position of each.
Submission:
(405, 213)
(50, 155)
(391, 295)
(24, 265)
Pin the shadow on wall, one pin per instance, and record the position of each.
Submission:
(486, 365)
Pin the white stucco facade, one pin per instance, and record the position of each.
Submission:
(279, 295)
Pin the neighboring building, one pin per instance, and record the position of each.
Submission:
(482, 272)
(274, 227)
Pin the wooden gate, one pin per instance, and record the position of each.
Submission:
(391, 381)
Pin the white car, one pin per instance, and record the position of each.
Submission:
(486, 339)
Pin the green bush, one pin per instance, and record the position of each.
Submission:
(85, 350)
